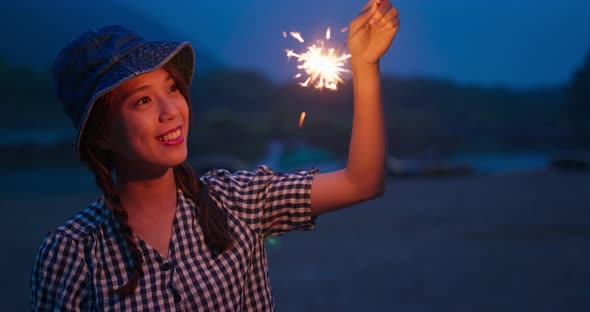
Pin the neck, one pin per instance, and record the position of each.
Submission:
(148, 196)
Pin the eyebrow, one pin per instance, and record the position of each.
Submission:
(127, 95)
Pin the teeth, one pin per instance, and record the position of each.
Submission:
(169, 136)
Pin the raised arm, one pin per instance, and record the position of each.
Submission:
(364, 175)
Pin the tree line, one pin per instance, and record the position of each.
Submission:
(238, 112)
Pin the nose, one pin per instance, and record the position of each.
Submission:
(168, 110)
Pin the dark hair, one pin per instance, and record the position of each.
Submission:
(101, 162)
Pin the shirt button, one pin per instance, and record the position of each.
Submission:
(177, 298)
(167, 266)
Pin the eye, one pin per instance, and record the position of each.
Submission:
(173, 88)
(143, 100)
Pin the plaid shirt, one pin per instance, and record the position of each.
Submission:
(82, 261)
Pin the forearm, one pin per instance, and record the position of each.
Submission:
(370, 35)
(368, 144)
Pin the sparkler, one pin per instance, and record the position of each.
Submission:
(322, 64)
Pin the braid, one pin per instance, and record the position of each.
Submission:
(137, 271)
(101, 163)
(211, 218)
(104, 180)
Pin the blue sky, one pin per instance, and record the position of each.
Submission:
(519, 43)
(514, 43)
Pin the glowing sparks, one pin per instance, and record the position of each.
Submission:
(301, 119)
(297, 36)
(322, 65)
(284, 34)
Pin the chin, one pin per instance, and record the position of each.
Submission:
(177, 159)
(167, 160)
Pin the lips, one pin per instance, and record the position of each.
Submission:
(171, 135)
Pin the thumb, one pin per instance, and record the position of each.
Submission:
(367, 12)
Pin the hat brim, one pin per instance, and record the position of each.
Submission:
(146, 58)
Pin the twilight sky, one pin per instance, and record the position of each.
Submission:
(520, 43)
(515, 43)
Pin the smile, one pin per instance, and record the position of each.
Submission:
(171, 135)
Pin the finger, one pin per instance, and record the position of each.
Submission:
(384, 6)
(376, 16)
(391, 14)
(392, 25)
(368, 6)
(388, 17)
(365, 15)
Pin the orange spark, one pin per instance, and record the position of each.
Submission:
(301, 119)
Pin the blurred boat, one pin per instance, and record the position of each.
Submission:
(289, 156)
(571, 161)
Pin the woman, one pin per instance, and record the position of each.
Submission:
(158, 238)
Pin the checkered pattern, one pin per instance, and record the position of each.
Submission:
(80, 262)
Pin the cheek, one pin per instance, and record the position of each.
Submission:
(183, 108)
(139, 133)
(184, 112)
(128, 133)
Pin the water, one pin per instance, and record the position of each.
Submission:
(500, 163)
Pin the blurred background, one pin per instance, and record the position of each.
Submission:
(488, 116)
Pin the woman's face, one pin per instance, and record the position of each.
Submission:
(148, 125)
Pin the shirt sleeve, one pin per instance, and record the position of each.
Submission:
(59, 277)
(271, 203)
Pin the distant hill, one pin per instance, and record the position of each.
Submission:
(237, 112)
(35, 31)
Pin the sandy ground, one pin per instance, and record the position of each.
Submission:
(481, 243)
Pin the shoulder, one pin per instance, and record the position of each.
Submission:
(59, 278)
(262, 175)
(84, 223)
(270, 202)
(224, 175)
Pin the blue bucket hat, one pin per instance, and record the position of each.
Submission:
(102, 59)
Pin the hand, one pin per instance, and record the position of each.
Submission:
(371, 33)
